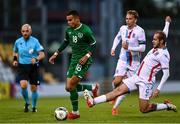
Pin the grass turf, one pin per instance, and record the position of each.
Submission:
(11, 111)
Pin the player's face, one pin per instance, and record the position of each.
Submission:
(72, 21)
(130, 20)
(26, 32)
(156, 42)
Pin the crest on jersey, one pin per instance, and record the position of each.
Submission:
(31, 51)
(80, 35)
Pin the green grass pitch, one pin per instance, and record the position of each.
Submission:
(11, 111)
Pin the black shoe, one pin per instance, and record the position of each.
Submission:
(26, 107)
(34, 109)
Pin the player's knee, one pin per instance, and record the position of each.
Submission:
(68, 88)
(72, 83)
(116, 84)
(143, 110)
(33, 88)
(117, 92)
(23, 85)
(117, 81)
(149, 108)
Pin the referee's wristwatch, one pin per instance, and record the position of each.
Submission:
(36, 59)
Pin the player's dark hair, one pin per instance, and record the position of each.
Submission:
(162, 36)
(73, 12)
(133, 12)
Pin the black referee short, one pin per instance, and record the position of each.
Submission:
(29, 72)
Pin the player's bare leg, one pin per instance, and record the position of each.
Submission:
(71, 87)
(74, 87)
(146, 107)
(94, 87)
(105, 98)
(120, 90)
(117, 102)
(24, 92)
(72, 83)
(117, 81)
(34, 97)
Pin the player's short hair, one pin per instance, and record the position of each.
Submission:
(162, 36)
(133, 12)
(73, 12)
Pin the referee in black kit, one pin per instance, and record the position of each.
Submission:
(27, 54)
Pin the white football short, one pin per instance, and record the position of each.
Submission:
(145, 88)
(123, 69)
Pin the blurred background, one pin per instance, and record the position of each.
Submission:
(48, 21)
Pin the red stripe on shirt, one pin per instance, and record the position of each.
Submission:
(129, 35)
(140, 68)
(152, 70)
(130, 55)
(130, 58)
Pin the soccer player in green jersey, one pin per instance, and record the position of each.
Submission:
(82, 42)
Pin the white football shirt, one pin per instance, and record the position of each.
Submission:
(156, 60)
(134, 37)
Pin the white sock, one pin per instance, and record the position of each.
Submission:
(75, 112)
(100, 99)
(93, 86)
(119, 100)
(161, 106)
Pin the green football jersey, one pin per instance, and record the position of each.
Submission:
(80, 40)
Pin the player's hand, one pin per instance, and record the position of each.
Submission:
(15, 63)
(83, 60)
(113, 52)
(33, 61)
(125, 45)
(52, 58)
(155, 93)
(168, 19)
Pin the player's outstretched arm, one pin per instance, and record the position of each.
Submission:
(163, 80)
(63, 45)
(168, 19)
(167, 23)
(116, 41)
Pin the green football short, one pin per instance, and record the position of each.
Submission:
(77, 69)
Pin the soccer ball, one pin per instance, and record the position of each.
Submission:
(61, 113)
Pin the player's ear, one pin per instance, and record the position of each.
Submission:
(136, 20)
(162, 41)
(77, 18)
(31, 31)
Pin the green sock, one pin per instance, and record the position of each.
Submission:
(82, 87)
(74, 99)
